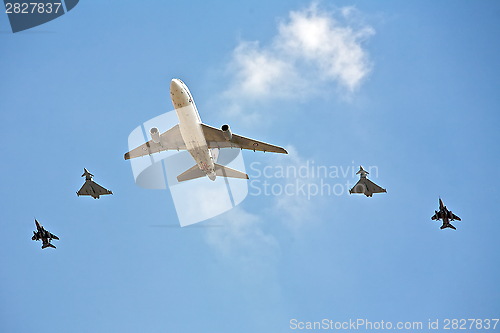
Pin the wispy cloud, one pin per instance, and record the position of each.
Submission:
(295, 210)
(244, 243)
(244, 238)
(312, 47)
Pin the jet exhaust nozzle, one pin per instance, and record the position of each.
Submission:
(155, 134)
(226, 131)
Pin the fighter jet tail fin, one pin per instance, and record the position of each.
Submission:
(448, 226)
(224, 171)
(192, 173)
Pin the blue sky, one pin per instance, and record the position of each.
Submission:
(410, 89)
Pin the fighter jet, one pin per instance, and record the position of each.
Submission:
(364, 185)
(446, 215)
(198, 139)
(44, 235)
(90, 187)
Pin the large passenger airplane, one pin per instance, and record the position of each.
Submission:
(198, 139)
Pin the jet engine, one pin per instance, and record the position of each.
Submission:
(155, 134)
(450, 215)
(226, 131)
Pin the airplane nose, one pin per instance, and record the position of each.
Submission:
(174, 85)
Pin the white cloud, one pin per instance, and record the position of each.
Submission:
(257, 71)
(311, 48)
(334, 50)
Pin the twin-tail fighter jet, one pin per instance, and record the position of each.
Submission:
(44, 235)
(198, 139)
(366, 186)
(446, 215)
(90, 187)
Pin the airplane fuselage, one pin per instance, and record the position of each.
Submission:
(190, 127)
(446, 220)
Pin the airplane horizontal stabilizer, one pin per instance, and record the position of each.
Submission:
(224, 171)
(192, 173)
(47, 245)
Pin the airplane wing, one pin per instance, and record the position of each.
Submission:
(454, 217)
(373, 188)
(92, 188)
(53, 236)
(169, 140)
(358, 188)
(436, 216)
(367, 187)
(47, 244)
(215, 139)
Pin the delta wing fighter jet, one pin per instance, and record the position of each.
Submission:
(446, 215)
(90, 187)
(198, 139)
(366, 186)
(44, 235)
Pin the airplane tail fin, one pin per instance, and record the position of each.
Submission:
(192, 173)
(224, 171)
(47, 245)
(448, 226)
(85, 172)
(361, 170)
(220, 170)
